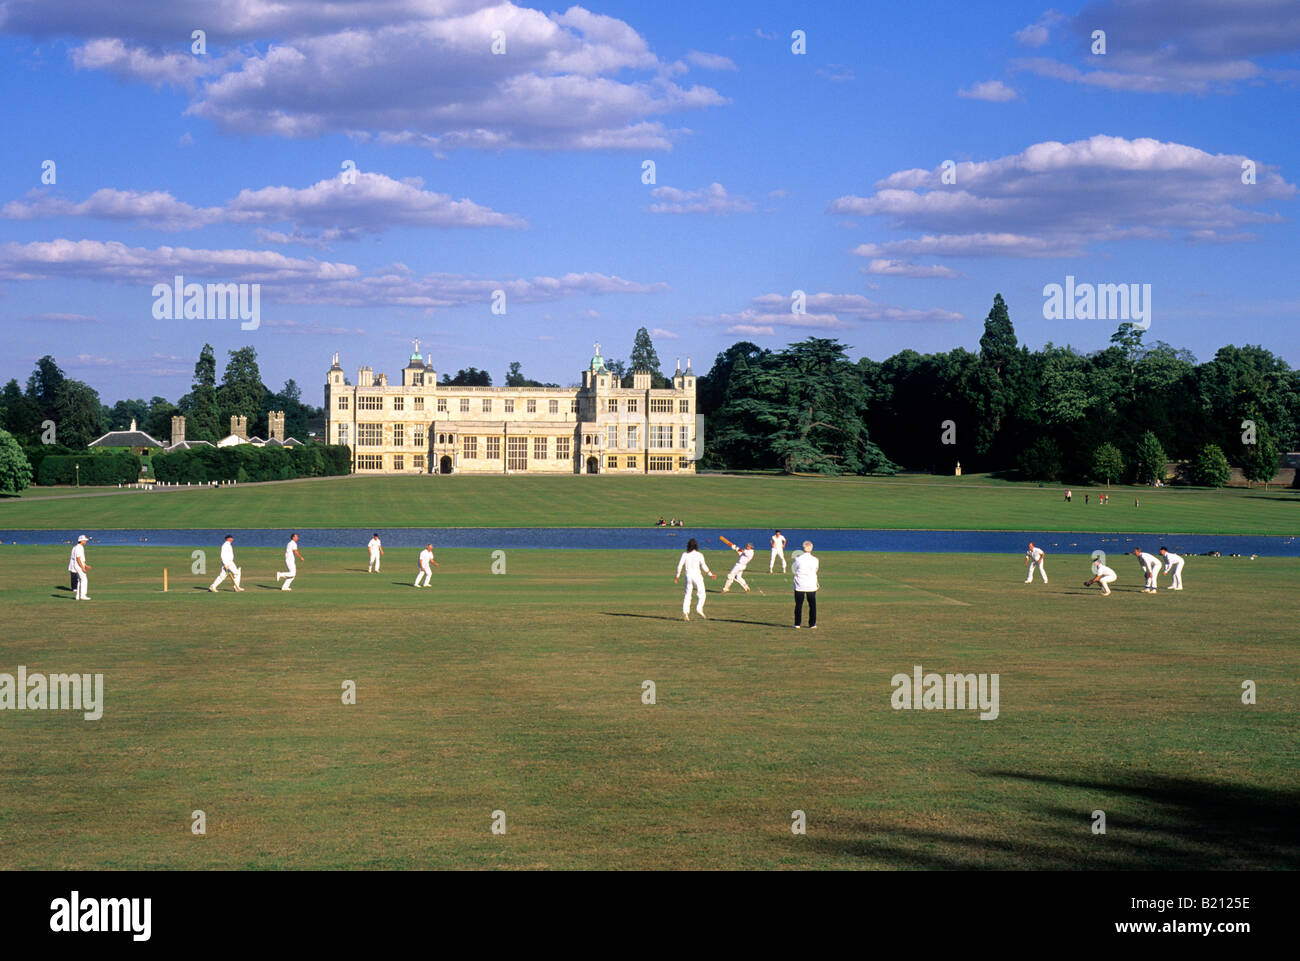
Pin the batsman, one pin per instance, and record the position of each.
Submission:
(743, 557)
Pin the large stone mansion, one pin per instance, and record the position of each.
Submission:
(422, 427)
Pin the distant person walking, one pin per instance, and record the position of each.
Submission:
(805, 568)
(737, 575)
(228, 568)
(693, 563)
(291, 558)
(78, 567)
(1173, 564)
(426, 564)
(376, 552)
(1034, 558)
(1068, 496)
(778, 552)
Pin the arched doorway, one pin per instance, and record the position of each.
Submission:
(444, 465)
(593, 465)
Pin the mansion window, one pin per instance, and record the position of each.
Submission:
(683, 463)
(683, 407)
(611, 463)
(343, 401)
(417, 378)
(612, 405)
(399, 435)
(683, 436)
(417, 435)
(469, 448)
(553, 407)
(516, 453)
(418, 462)
(464, 405)
(487, 405)
(494, 448)
(660, 463)
(661, 405)
(632, 463)
(343, 433)
(442, 405)
(539, 448)
(370, 462)
(370, 435)
(399, 403)
(632, 405)
(661, 435)
(399, 462)
(611, 437)
(633, 435)
(573, 406)
(510, 405)
(562, 448)
(532, 406)
(370, 402)
(419, 403)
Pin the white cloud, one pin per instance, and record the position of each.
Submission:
(1037, 34)
(1055, 200)
(994, 91)
(903, 268)
(411, 71)
(823, 311)
(836, 73)
(710, 61)
(712, 199)
(664, 334)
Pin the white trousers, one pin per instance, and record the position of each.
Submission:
(1041, 569)
(374, 563)
(83, 585)
(737, 576)
(1151, 577)
(776, 556)
(1106, 581)
(1176, 572)
(290, 574)
(695, 583)
(236, 576)
(425, 573)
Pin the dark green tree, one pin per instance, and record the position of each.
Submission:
(645, 357)
(1259, 460)
(1107, 463)
(468, 377)
(1210, 468)
(78, 414)
(1149, 459)
(200, 406)
(242, 392)
(45, 385)
(15, 471)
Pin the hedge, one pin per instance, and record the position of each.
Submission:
(117, 467)
(244, 462)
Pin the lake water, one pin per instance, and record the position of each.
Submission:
(641, 538)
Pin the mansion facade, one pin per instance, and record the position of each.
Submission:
(419, 426)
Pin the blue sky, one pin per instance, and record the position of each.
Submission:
(775, 172)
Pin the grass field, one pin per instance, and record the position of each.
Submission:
(522, 692)
(916, 502)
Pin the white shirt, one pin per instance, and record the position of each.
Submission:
(1035, 555)
(426, 556)
(1101, 570)
(374, 546)
(805, 572)
(1149, 562)
(1171, 559)
(289, 550)
(743, 558)
(227, 554)
(694, 563)
(78, 554)
(778, 542)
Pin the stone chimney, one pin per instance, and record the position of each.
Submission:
(275, 424)
(239, 426)
(133, 424)
(365, 377)
(178, 430)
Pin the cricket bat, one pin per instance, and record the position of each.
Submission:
(725, 541)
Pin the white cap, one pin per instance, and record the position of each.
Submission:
(83, 537)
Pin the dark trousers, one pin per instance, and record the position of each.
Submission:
(812, 607)
(75, 577)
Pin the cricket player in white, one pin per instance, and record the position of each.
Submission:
(778, 552)
(78, 566)
(1173, 564)
(228, 567)
(290, 551)
(1103, 575)
(376, 552)
(1034, 558)
(692, 562)
(426, 571)
(1150, 568)
(737, 575)
(806, 585)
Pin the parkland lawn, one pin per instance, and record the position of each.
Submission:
(522, 692)
(806, 503)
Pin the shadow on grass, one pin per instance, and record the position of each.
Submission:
(1154, 822)
(694, 617)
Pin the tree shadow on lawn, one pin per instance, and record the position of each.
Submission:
(707, 617)
(1153, 822)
